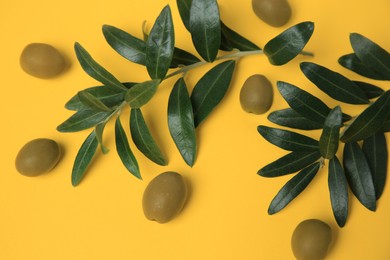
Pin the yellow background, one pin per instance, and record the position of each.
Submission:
(226, 214)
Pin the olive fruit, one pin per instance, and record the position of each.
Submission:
(311, 240)
(256, 94)
(42, 60)
(37, 156)
(273, 12)
(164, 197)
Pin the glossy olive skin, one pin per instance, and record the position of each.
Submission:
(164, 197)
(273, 12)
(311, 240)
(42, 60)
(37, 157)
(256, 95)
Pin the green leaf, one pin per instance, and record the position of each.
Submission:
(293, 188)
(82, 120)
(142, 93)
(290, 118)
(288, 140)
(338, 189)
(235, 40)
(289, 43)
(96, 71)
(99, 129)
(182, 58)
(84, 158)
(352, 62)
(369, 121)
(181, 122)
(329, 140)
(92, 102)
(359, 175)
(289, 163)
(184, 11)
(371, 54)
(123, 149)
(370, 90)
(160, 45)
(334, 84)
(143, 139)
(375, 150)
(130, 47)
(386, 126)
(210, 90)
(205, 28)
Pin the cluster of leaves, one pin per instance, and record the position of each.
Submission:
(95, 106)
(365, 155)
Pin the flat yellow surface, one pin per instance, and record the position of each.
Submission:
(226, 215)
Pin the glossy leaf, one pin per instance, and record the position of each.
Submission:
(123, 149)
(290, 118)
(160, 45)
(329, 140)
(288, 140)
(210, 90)
(130, 47)
(289, 163)
(96, 71)
(338, 189)
(235, 40)
(205, 28)
(84, 158)
(99, 129)
(375, 150)
(142, 93)
(181, 122)
(293, 188)
(143, 139)
(334, 84)
(353, 63)
(371, 54)
(289, 43)
(370, 90)
(369, 121)
(359, 175)
(182, 58)
(184, 11)
(82, 120)
(92, 102)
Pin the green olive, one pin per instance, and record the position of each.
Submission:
(42, 60)
(164, 197)
(37, 156)
(256, 94)
(273, 12)
(311, 240)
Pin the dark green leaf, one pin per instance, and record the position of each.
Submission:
(290, 118)
(141, 93)
(82, 120)
(352, 62)
(182, 58)
(288, 140)
(211, 89)
(290, 163)
(184, 11)
(181, 122)
(143, 139)
(375, 150)
(359, 175)
(369, 121)
(125, 44)
(84, 158)
(289, 43)
(205, 28)
(236, 41)
(338, 189)
(160, 45)
(123, 149)
(226, 45)
(371, 54)
(96, 71)
(92, 102)
(99, 129)
(386, 126)
(370, 90)
(293, 188)
(329, 140)
(334, 84)
(145, 33)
